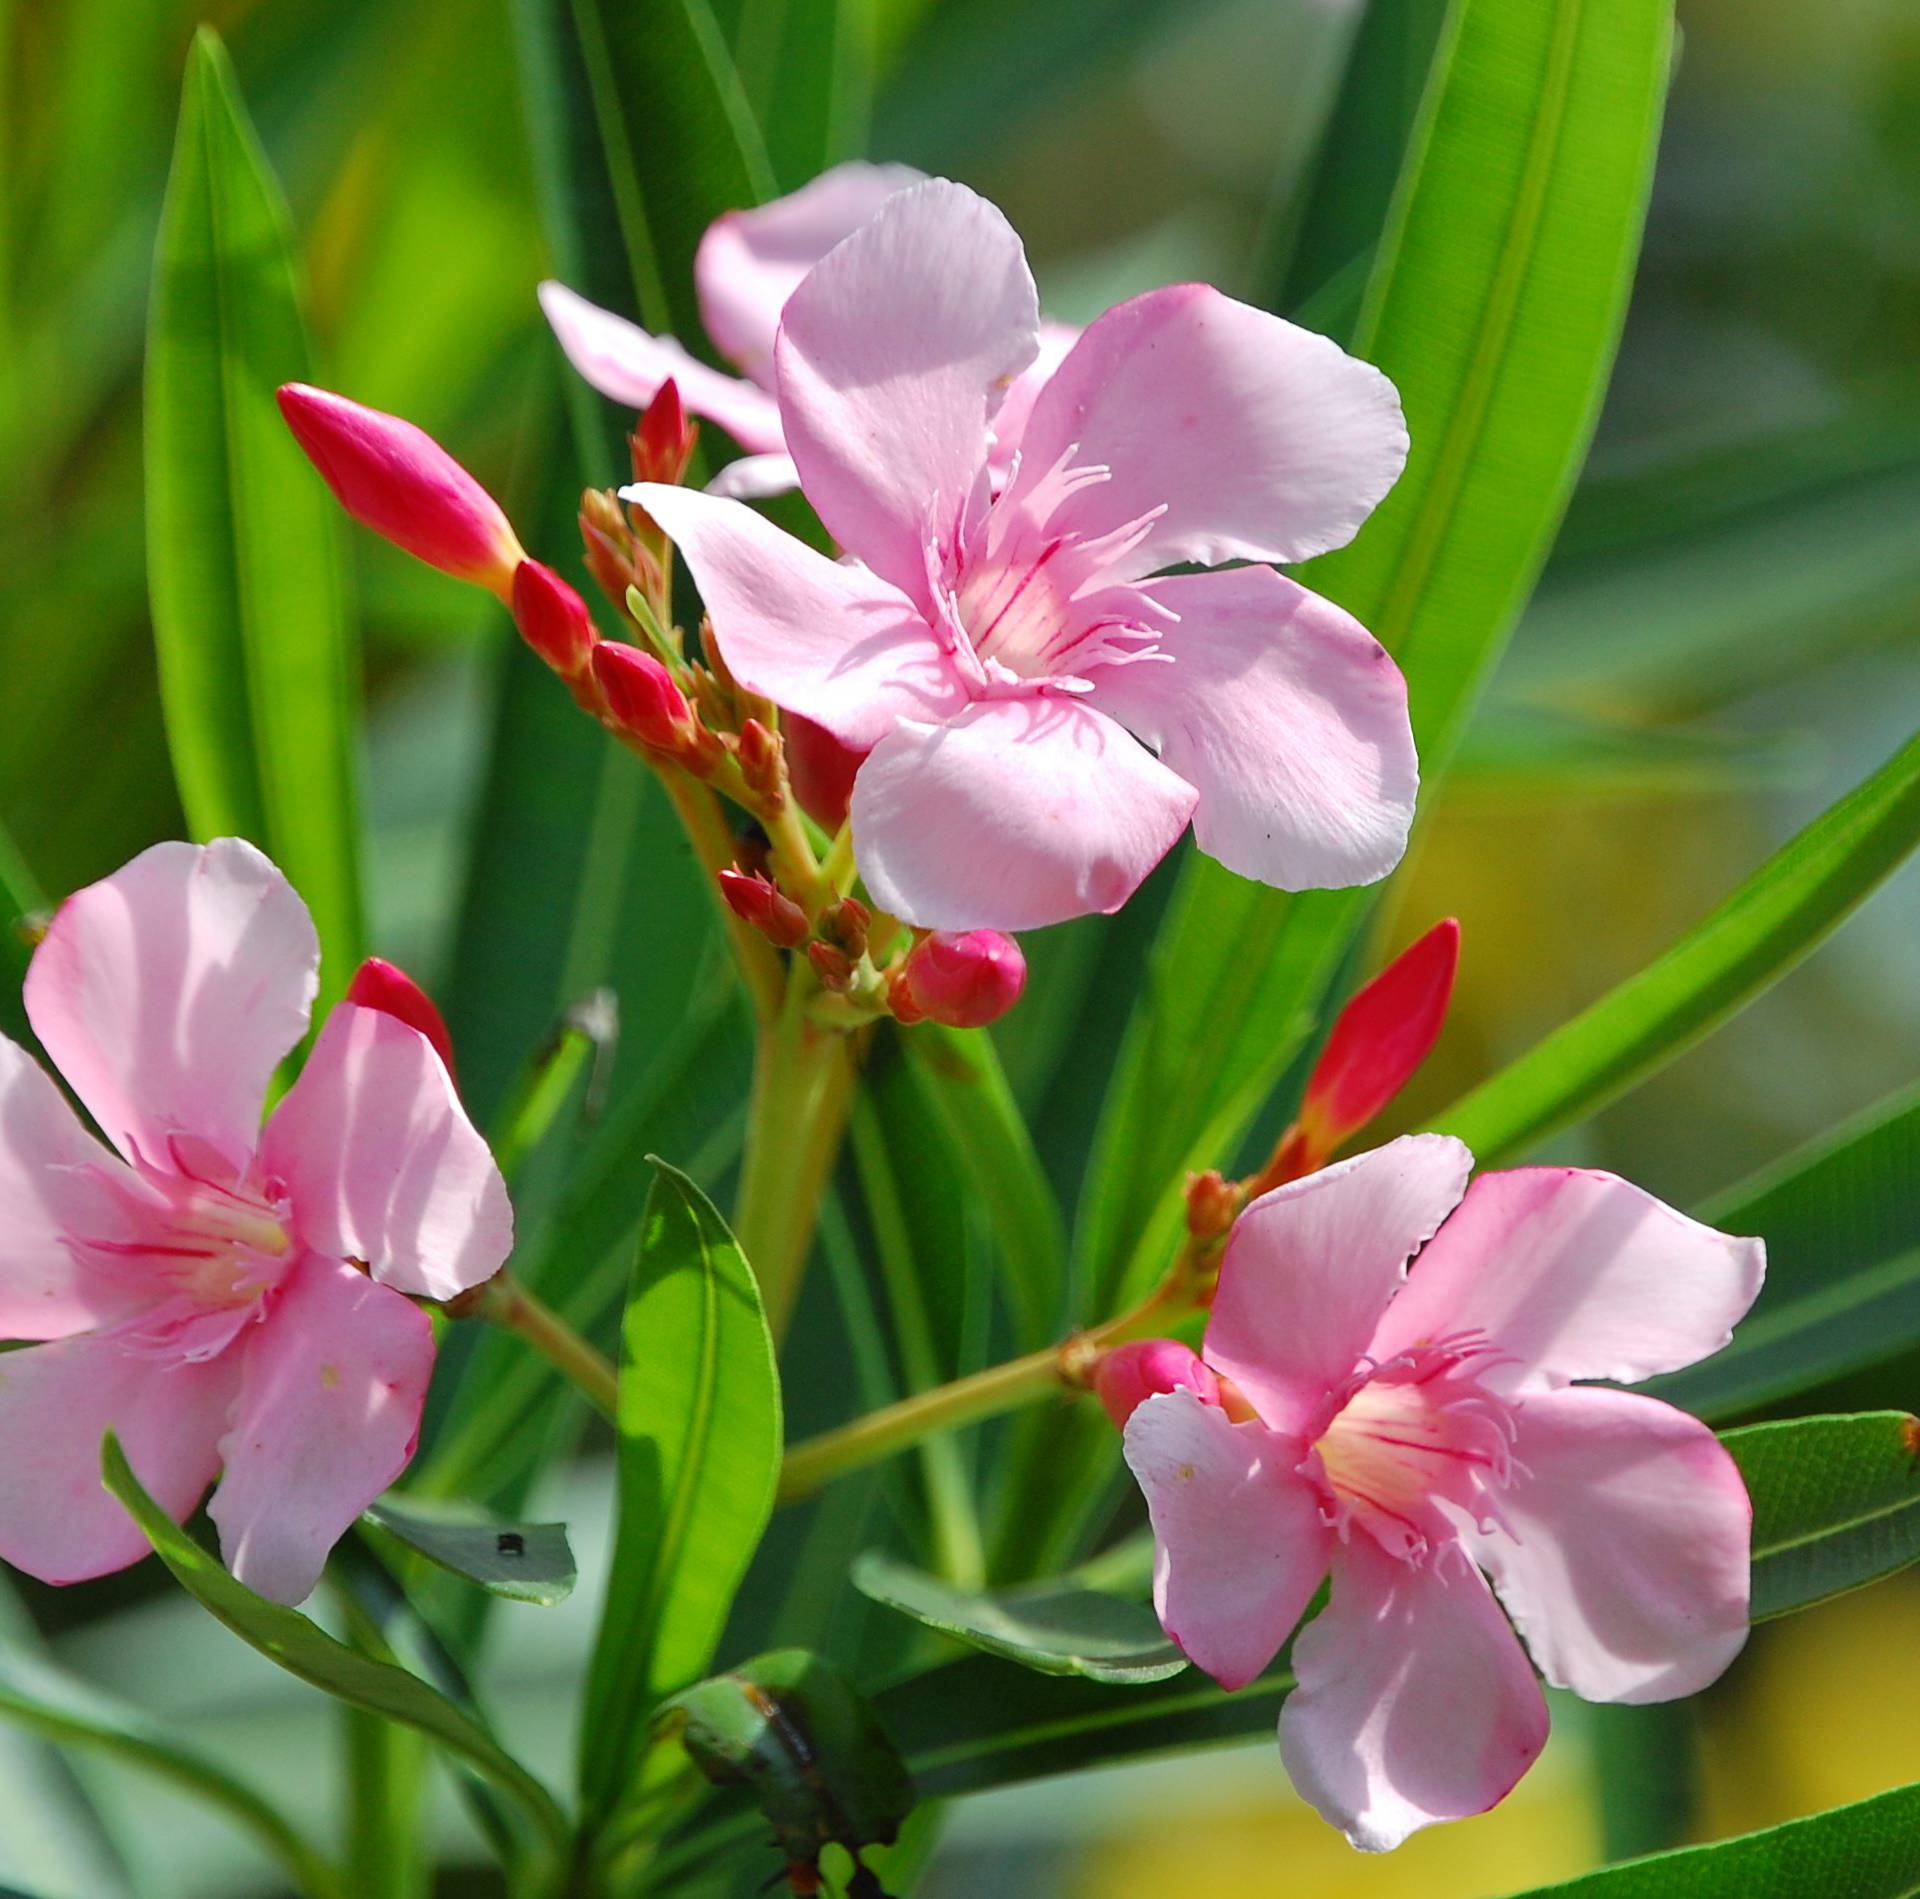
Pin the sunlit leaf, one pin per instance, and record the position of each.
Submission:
(525, 1562)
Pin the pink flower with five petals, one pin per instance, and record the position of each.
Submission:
(225, 1298)
(1008, 655)
(1414, 1429)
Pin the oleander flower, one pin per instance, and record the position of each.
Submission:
(1045, 709)
(226, 1298)
(1402, 1432)
(747, 265)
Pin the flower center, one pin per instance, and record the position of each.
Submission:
(1416, 1435)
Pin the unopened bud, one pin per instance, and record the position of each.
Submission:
(760, 761)
(847, 923)
(770, 911)
(552, 619)
(1129, 1375)
(396, 479)
(965, 979)
(1213, 1204)
(609, 554)
(663, 443)
(831, 964)
(820, 770)
(641, 700)
(378, 984)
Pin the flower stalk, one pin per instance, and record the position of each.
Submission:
(505, 1302)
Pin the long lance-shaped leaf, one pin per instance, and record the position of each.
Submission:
(699, 1424)
(1774, 919)
(807, 66)
(302, 1648)
(249, 615)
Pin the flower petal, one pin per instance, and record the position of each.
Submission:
(1311, 1266)
(1261, 440)
(755, 477)
(1415, 1701)
(1627, 1563)
(1288, 717)
(381, 1163)
(1016, 814)
(1010, 419)
(823, 638)
(1239, 1542)
(1576, 1274)
(628, 365)
(750, 262)
(893, 354)
(168, 993)
(56, 1520)
(327, 1417)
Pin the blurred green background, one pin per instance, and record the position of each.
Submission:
(1727, 636)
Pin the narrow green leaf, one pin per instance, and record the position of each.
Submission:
(1775, 918)
(1056, 1628)
(285, 1636)
(256, 661)
(699, 1424)
(525, 1562)
(807, 67)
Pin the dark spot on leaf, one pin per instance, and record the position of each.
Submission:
(510, 1543)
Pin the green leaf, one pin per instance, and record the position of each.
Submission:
(249, 616)
(525, 1562)
(1870, 1850)
(38, 1696)
(1836, 1504)
(1775, 918)
(285, 1636)
(1842, 1227)
(1057, 1628)
(699, 1424)
(807, 67)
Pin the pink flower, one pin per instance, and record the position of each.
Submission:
(223, 1297)
(1005, 656)
(1129, 1375)
(965, 980)
(1414, 1429)
(748, 264)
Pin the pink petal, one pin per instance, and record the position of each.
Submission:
(1625, 1557)
(1010, 419)
(628, 365)
(57, 1402)
(1263, 441)
(1311, 1266)
(57, 1185)
(1575, 1274)
(381, 1163)
(1016, 814)
(755, 477)
(822, 638)
(1415, 1701)
(327, 1417)
(168, 993)
(1289, 718)
(893, 355)
(750, 262)
(1239, 1542)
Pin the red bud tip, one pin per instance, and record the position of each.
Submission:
(1129, 1375)
(820, 769)
(552, 619)
(760, 761)
(831, 964)
(380, 985)
(1213, 1204)
(965, 980)
(641, 699)
(397, 480)
(663, 443)
(1382, 1036)
(755, 901)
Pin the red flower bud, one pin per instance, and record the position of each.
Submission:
(831, 964)
(641, 699)
(663, 444)
(820, 769)
(1129, 1375)
(965, 980)
(774, 914)
(400, 482)
(380, 985)
(552, 619)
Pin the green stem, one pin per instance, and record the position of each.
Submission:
(713, 843)
(386, 1778)
(504, 1302)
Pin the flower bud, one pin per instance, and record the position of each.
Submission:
(378, 984)
(663, 444)
(846, 925)
(552, 619)
(760, 762)
(965, 979)
(1130, 1374)
(820, 770)
(769, 910)
(1213, 1204)
(642, 701)
(397, 480)
(831, 964)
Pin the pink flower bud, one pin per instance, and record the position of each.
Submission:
(820, 769)
(663, 444)
(1130, 1374)
(770, 911)
(552, 619)
(381, 985)
(965, 980)
(641, 699)
(1382, 1036)
(397, 480)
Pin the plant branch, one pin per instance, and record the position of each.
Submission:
(504, 1302)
